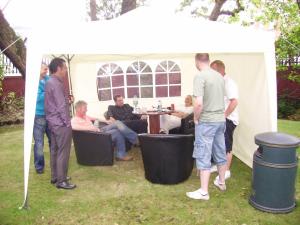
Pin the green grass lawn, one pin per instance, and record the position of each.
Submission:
(120, 194)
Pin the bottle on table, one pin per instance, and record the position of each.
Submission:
(159, 106)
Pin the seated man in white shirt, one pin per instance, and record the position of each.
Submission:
(168, 122)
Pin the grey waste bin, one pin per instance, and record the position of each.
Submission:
(274, 172)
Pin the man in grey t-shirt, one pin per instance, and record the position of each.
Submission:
(209, 118)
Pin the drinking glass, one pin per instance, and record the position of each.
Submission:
(135, 103)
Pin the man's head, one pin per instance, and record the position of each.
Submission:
(119, 101)
(44, 70)
(202, 60)
(218, 66)
(81, 108)
(188, 101)
(58, 67)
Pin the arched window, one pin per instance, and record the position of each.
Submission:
(110, 81)
(139, 80)
(167, 79)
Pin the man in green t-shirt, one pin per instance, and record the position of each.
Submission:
(209, 118)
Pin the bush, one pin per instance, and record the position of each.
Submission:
(11, 109)
(287, 107)
(296, 116)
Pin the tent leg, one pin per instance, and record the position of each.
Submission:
(25, 204)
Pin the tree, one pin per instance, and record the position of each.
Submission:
(128, 5)
(93, 12)
(16, 52)
(213, 9)
(111, 9)
(284, 14)
(1, 76)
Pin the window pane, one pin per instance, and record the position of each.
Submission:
(147, 69)
(113, 67)
(106, 68)
(170, 65)
(117, 81)
(175, 68)
(175, 91)
(103, 82)
(135, 65)
(146, 79)
(161, 79)
(104, 95)
(132, 91)
(146, 92)
(101, 72)
(130, 70)
(162, 91)
(174, 78)
(142, 65)
(132, 80)
(118, 91)
(164, 65)
(160, 69)
(118, 70)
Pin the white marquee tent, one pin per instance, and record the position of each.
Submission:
(145, 35)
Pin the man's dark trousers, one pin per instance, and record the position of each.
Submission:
(61, 138)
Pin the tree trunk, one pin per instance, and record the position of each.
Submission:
(216, 10)
(93, 8)
(17, 52)
(128, 5)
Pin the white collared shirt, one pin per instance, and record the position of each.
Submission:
(232, 92)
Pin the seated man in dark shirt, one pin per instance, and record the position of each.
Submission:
(123, 112)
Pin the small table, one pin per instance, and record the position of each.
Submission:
(154, 119)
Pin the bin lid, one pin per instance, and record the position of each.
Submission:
(276, 139)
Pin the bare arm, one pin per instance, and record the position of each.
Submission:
(79, 126)
(111, 119)
(198, 106)
(180, 114)
(232, 105)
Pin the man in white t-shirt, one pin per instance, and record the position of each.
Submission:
(231, 113)
(168, 122)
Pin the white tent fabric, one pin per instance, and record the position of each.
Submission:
(146, 35)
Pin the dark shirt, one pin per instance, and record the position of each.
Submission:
(56, 103)
(122, 113)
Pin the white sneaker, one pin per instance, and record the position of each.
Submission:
(198, 195)
(227, 175)
(213, 169)
(222, 187)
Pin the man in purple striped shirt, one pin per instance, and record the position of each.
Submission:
(58, 117)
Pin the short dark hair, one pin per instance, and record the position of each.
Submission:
(116, 97)
(202, 57)
(219, 64)
(55, 63)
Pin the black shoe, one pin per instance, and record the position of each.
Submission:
(55, 180)
(39, 171)
(65, 185)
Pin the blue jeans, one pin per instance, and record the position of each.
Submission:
(39, 129)
(209, 142)
(119, 132)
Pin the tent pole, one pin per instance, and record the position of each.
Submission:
(69, 59)
(25, 204)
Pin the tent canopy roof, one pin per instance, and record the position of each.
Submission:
(144, 31)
